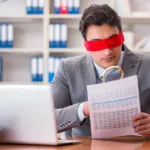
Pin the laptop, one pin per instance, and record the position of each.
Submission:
(27, 115)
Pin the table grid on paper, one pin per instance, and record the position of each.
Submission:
(114, 119)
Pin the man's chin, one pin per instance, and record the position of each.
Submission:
(110, 64)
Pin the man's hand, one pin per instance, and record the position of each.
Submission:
(141, 124)
(86, 109)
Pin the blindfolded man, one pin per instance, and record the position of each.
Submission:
(101, 29)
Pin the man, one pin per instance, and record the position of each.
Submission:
(101, 29)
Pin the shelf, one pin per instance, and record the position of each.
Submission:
(21, 18)
(135, 19)
(67, 50)
(22, 83)
(67, 16)
(21, 50)
(125, 19)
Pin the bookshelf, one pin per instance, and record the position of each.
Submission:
(67, 50)
(21, 51)
(69, 16)
(16, 63)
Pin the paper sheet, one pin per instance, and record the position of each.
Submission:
(112, 106)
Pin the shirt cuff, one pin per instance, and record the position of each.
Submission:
(80, 112)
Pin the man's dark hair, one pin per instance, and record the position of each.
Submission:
(99, 15)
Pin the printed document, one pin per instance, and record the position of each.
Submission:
(112, 106)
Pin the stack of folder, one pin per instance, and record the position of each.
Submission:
(6, 35)
(37, 69)
(66, 6)
(34, 6)
(58, 36)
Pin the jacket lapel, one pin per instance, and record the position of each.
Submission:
(131, 63)
(88, 70)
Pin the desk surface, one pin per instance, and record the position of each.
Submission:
(87, 144)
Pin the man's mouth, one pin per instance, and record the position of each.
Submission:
(109, 58)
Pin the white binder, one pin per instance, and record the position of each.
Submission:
(63, 37)
(40, 6)
(51, 36)
(57, 35)
(34, 68)
(40, 69)
(10, 36)
(70, 7)
(76, 6)
(4, 36)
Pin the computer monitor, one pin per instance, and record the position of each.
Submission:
(27, 115)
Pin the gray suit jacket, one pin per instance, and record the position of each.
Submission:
(74, 74)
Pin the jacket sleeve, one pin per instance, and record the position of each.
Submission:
(66, 113)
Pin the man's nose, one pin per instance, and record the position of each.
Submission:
(108, 51)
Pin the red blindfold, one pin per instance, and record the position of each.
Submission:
(100, 45)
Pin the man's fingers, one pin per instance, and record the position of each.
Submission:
(145, 132)
(142, 127)
(140, 116)
(141, 122)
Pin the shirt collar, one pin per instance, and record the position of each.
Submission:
(100, 70)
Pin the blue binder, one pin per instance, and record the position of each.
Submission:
(76, 8)
(1, 68)
(34, 6)
(10, 36)
(34, 69)
(63, 38)
(51, 68)
(57, 60)
(29, 6)
(40, 6)
(0, 35)
(57, 43)
(51, 36)
(4, 35)
(70, 7)
(40, 69)
(57, 4)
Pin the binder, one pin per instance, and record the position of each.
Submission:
(63, 37)
(10, 36)
(51, 68)
(76, 8)
(57, 6)
(0, 35)
(4, 35)
(64, 7)
(34, 6)
(56, 35)
(34, 69)
(29, 6)
(1, 68)
(51, 36)
(57, 60)
(40, 69)
(40, 6)
(70, 6)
